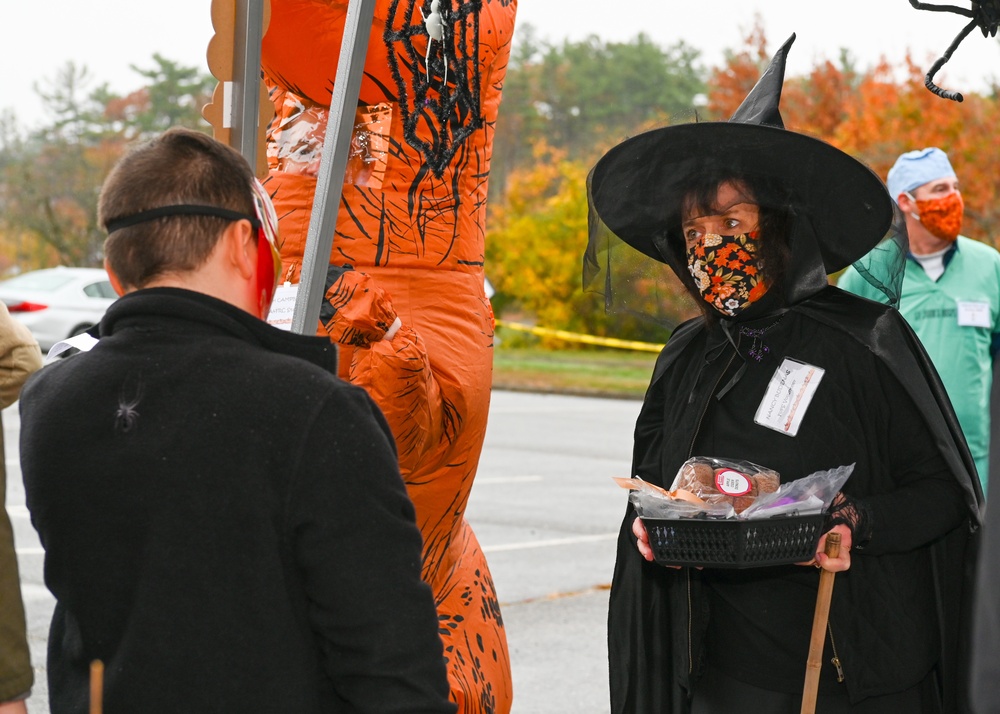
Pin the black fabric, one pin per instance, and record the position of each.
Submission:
(985, 669)
(224, 522)
(717, 693)
(885, 609)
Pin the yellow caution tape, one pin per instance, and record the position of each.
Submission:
(585, 339)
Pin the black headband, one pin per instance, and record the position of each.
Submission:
(178, 210)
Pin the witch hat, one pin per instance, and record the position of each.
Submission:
(633, 190)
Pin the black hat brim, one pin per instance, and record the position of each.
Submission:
(846, 203)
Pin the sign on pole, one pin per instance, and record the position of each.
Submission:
(239, 110)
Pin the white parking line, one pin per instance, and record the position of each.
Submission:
(552, 542)
(30, 551)
(18, 511)
(508, 479)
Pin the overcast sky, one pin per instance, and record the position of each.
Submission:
(107, 36)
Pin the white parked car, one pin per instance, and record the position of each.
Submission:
(56, 303)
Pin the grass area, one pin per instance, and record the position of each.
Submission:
(604, 372)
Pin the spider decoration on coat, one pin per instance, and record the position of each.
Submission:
(442, 67)
(985, 15)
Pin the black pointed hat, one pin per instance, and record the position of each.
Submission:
(633, 191)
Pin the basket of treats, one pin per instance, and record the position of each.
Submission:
(725, 513)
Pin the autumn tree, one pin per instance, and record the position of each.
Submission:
(582, 97)
(890, 117)
(538, 229)
(535, 257)
(729, 84)
(172, 95)
(876, 114)
(536, 241)
(50, 178)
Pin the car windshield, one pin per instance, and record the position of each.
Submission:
(39, 280)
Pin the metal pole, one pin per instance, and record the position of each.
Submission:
(246, 77)
(330, 183)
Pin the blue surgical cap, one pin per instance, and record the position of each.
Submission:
(915, 168)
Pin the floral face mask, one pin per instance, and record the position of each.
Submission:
(724, 269)
(942, 216)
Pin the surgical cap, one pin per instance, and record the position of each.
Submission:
(915, 168)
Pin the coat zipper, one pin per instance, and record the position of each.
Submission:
(835, 660)
(694, 435)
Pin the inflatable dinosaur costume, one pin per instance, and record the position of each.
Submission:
(411, 232)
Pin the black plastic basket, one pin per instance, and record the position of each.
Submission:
(731, 543)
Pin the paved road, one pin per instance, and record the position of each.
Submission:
(546, 512)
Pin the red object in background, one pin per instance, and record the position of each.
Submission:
(26, 307)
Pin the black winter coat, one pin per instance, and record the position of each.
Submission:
(224, 523)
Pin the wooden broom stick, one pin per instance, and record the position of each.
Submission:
(815, 661)
(96, 686)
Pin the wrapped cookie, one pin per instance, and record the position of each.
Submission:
(718, 481)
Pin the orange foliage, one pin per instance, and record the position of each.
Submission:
(536, 239)
(731, 83)
(876, 115)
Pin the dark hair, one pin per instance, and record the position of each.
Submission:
(178, 167)
(697, 189)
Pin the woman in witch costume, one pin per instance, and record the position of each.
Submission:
(752, 218)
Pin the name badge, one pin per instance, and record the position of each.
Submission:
(283, 306)
(788, 396)
(974, 314)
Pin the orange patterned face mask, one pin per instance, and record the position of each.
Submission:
(942, 216)
(724, 269)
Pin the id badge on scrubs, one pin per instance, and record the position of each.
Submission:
(788, 396)
(974, 314)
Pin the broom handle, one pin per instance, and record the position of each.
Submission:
(815, 661)
(96, 686)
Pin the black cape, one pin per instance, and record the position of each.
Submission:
(985, 672)
(651, 662)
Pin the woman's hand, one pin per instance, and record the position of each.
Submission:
(642, 542)
(639, 531)
(836, 565)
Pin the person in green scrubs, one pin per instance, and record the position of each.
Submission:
(950, 291)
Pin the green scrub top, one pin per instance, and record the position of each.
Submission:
(957, 318)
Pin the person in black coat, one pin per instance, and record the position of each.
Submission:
(984, 673)
(785, 371)
(224, 522)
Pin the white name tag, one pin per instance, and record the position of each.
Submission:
(283, 306)
(974, 314)
(788, 395)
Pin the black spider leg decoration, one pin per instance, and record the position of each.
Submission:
(451, 112)
(985, 15)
